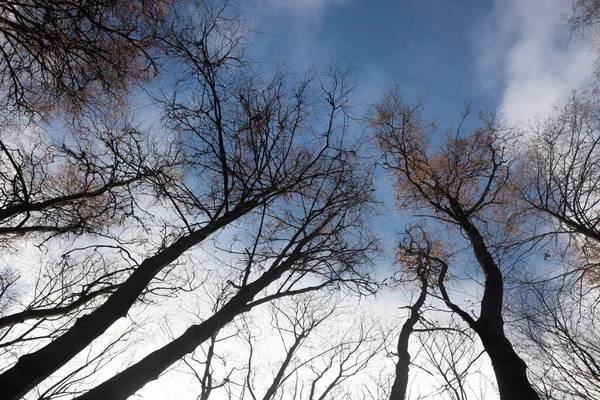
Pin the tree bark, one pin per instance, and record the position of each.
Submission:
(509, 368)
(402, 366)
(31, 369)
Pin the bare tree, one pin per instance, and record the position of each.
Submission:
(558, 334)
(559, 183)
(60, 186)
(251, 148)
(460, 184)
(357, 349)
(562, 169)
(320, 350)
(293, 324)
(75, 182)
(446, 351)
(449, 354)
(583, 20)
(412, 253)
(322, 238)
(299, 321)
(214, 368)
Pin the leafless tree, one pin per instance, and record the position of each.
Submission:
(79, 182)
(298, 321)
(291, 321)
(95, 359)
(562, 170)
(322, 238)
(412, 254)
(58, 186)
(269, 151)
(449, 354)
(559, 183)
(583, 19)
(309, 351)
(460, 184)
(558, 334)
(585, 13)
(212, 364)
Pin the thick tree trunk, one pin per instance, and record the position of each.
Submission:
(31, 369)
(402, 366)
(509, 368)
(126, 383)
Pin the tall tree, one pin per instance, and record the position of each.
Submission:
(412, 254)
(460, 184)
(559, 184)
(322, 238)
(561, 171)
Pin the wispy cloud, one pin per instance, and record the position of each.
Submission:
(294, 29)
(312, 9)
(524, 50)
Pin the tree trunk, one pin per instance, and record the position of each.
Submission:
(31, 369)
(270, 393)
(509, 368)
(402, 366)
(129, 381)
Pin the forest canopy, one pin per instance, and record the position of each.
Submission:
(180, 216)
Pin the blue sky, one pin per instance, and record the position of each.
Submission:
(514, 57)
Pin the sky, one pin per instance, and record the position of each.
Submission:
(512, 57)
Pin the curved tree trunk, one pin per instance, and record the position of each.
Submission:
(402, 366)
(509, 368)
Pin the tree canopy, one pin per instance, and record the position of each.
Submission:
(231, 232)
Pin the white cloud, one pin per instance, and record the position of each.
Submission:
(524, 50)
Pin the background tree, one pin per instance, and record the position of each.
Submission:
(561, 171)
(558, 336)
(449, 355)
(559, 186)
(412, 254)
(318, 362)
